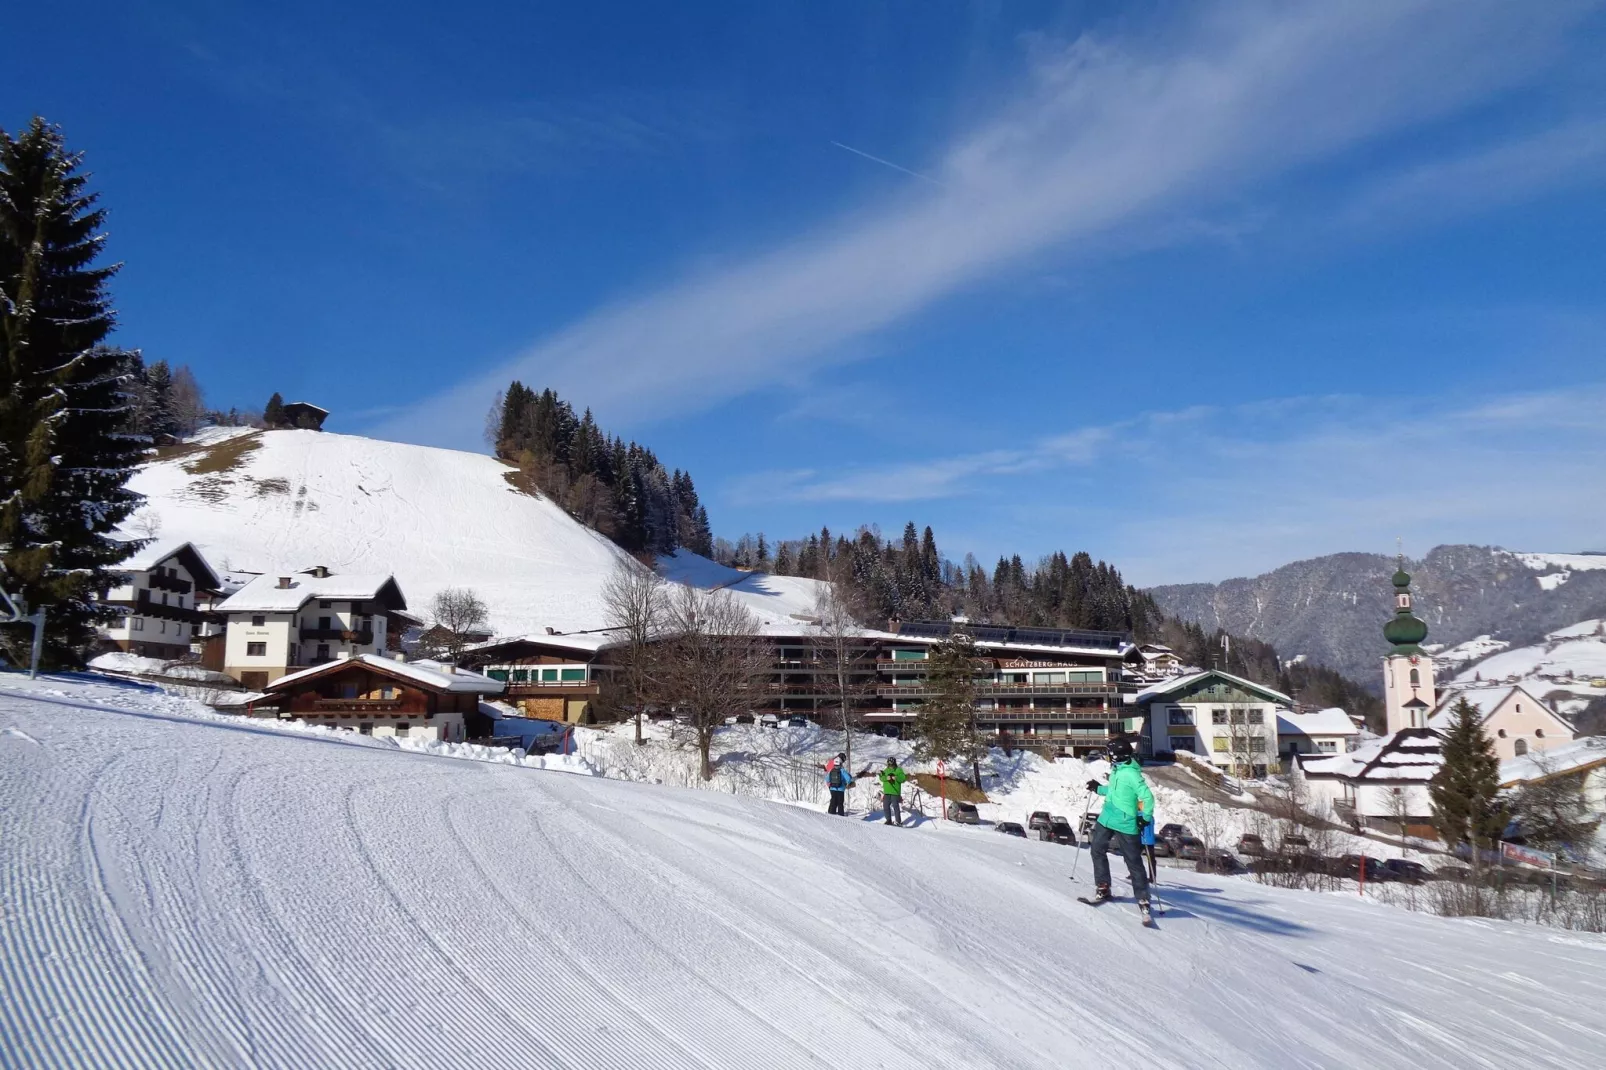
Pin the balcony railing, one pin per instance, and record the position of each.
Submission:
(925, 690)
(358, 705)
(143, 606)
(163, 582)
(362, 636)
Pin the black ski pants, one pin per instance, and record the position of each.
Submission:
(893, 805)
(837, 797)
(1131, 850)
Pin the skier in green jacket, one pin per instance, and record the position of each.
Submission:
(1128, 806)
(892, 778)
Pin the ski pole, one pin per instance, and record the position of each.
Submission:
(1081, 825)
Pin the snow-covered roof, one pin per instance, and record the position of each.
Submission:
(582, 643)
(1583, 753)
(1410, 754)
(1178, 683)
(433, 674)
(155, 551)
(1485, 699)
(264, 595)
(1333, 721)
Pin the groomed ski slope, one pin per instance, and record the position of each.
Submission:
(188, 892)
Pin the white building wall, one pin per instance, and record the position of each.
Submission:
(1398, 689)
(276, 632)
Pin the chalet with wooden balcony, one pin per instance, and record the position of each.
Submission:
(383, 696)
(277, 624)
(554, 677)
(162, 588)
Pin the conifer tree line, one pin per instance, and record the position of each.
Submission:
(908, 579)
(620, 489)
(67, 399)
(167, 403)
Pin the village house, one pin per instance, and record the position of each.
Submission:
(1584, 759)
(162, 588)
(1226, 719)
(1329, 731)
(1380, 784)
(551, 677)
(1159, 660)
(384, 696)
(1515, 722)
(279, 623)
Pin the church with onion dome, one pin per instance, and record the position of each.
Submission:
(1408, 692)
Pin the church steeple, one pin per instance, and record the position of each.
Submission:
(1409, 693)
(1405, 630)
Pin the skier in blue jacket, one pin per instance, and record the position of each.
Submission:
(838, 780)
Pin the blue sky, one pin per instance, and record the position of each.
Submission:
(1200, 288)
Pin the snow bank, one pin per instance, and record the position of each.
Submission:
(184, 891)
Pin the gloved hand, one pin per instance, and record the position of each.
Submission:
(1092, 785)
(1144, 819)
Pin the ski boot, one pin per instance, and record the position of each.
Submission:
(1145, 913)
(1101, 894)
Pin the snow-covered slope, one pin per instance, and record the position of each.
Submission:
(286, 500)
(189, 892)
(1569, 667)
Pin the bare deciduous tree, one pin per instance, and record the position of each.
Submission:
(635, 599)
(1550, 809)
(455, 613)
(843, 656)
(713, 662)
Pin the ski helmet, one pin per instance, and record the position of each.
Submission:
(892, 761)
(1120, 750)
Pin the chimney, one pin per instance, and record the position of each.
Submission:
(284, 583)
(344, 655)
(551, 630)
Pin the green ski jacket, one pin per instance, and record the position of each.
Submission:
(1122, 794)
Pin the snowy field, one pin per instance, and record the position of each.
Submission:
(433, 518)
(188, 890)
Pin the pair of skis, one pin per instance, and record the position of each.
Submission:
(1143, 909)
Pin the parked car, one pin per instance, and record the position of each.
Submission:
(1350, 866)
(769, 720)
(1172, 830)
(1219, 860)
(1452, 873)
(1088, 821)
(1251, 845)
(1296, 845)
(1190, 848)
(1060, 831)
(1012, 828)
(797, 722)
(1039, 820)
(963, 812)
(1400, 869)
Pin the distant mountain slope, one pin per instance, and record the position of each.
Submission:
(1332, 608)
(271, 501)
(1567, 668)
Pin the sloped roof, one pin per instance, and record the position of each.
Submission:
(583, 643)
(1578, 756)
(1332, 721)
(431, 674)
(1486, 700)
(1178, 683)
(156, 551)
(1409, 754)
(264, 595)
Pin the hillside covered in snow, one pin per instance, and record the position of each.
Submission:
(277, 501)
(1567, 668)
(182, 890)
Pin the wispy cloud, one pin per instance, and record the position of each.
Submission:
(1109, 134)
(1246, 487)
(1570, 154)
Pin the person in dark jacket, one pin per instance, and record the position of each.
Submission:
(1128, 806)
(838, 780)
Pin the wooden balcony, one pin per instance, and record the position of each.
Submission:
(161, 582)
(925, 690)
(147, 608)
(357, 705)
(363, 637)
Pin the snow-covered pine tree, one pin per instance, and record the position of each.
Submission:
(1466, 789)
(156, 418)
(945, 724)
(65, 451)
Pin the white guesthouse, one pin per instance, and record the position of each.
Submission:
(160, 585)
(277, 623)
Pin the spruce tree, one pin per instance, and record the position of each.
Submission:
(156, 417)
(1466, 789)
(65, 398)
(945, 724)
(274, 415)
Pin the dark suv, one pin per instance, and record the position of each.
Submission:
(1060, 831)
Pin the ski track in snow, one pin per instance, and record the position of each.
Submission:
(184, 892)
